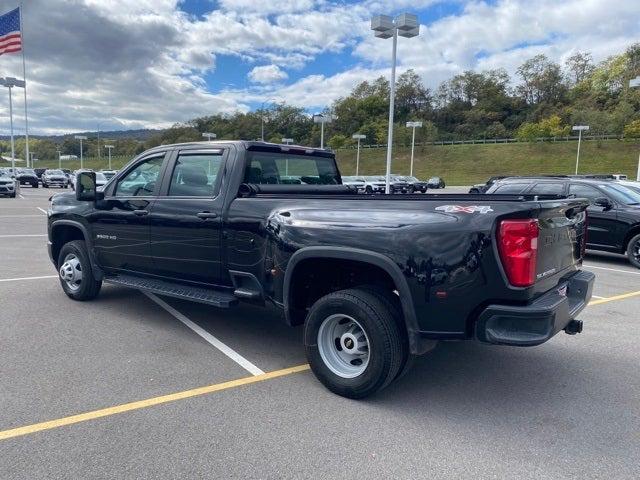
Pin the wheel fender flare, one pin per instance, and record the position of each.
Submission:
(365, 256)
(97, 271)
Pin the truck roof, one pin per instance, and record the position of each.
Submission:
(249, 145)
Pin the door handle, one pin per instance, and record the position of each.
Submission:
(205, 215)
(141, 213)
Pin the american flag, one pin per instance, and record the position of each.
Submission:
(10, 37)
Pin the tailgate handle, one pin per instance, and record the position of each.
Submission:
(205, 215)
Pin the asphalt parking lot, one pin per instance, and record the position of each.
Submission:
(131, 386)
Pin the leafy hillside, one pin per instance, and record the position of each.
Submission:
(469, 164)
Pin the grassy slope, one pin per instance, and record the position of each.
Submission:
(468, 164)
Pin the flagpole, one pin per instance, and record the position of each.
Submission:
(24, 77)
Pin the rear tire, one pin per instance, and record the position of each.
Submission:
(633, 251)
(75, 272)
(354, 343)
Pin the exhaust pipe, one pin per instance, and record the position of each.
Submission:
(573, 327)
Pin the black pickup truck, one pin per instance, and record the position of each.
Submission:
(376, 280)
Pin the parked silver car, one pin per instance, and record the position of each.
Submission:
(54, 178)
(7, 184)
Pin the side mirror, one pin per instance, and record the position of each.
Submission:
(603, 202)
(86, 186)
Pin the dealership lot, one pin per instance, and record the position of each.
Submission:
(566, 409)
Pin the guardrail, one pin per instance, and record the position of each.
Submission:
(484, 141)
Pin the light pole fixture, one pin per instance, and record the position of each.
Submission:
(109, 147)
(11, 82)
(413, 125)
(322, 119)
(81, 138)
(406, 25)
(209, 136)
(635, 83)
(579, 129)
(358, 136)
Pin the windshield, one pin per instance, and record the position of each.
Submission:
(54, 172)
(28, 171)
(621, 194)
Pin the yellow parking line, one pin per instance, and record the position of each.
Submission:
(614, 298)
(149, 402)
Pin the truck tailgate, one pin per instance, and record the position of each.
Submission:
(562, 237)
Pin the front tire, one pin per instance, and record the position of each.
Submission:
(633, 251)
(75, 272)
(354, 343)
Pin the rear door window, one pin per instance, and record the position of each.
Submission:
(196, 175)
(547, 188)
(511, 188)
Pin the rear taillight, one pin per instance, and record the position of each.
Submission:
(518, 247)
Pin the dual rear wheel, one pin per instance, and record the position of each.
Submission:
(355, 341)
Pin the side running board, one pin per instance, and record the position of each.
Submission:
(169, 289)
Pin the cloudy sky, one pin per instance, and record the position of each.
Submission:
(119, 64)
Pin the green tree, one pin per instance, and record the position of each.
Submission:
(632, 130)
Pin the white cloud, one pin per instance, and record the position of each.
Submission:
(146, 63)
(267, 74)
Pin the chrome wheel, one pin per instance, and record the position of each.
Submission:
(71, 272)
(343, 345)
(635, 251)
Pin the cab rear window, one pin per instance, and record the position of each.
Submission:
(271, 168)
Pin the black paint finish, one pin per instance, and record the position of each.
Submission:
(444, 265)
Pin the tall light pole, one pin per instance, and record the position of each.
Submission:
(358, 136)
(59, 157)
(209, 136)
(81, 138)
(98, 129)
(406, 25)
(11, 82)
(413, 125)
(579, 129)
(635, 83)
(287, 141)
(322, 119)
(109, 147)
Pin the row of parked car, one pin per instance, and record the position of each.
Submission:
(399, 184)
(47, 177)
(614, 211)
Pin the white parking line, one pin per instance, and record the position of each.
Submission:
(25, 235)
(27, 278)
(597, 296)
(20, 195)
(42, 210)
(225, 349)
(612, 269)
